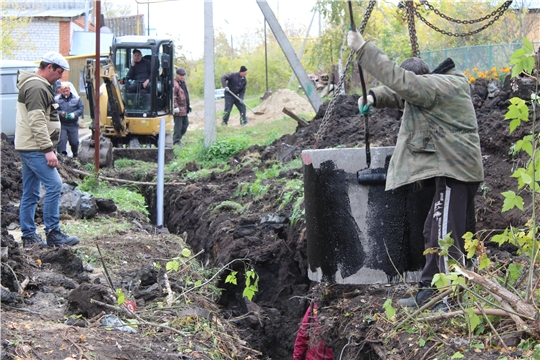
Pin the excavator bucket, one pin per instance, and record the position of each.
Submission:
(143, 154)
(87, 151)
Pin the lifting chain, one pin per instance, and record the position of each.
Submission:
(500, 11)
(412, 28)
(496, 15)
(337, 90)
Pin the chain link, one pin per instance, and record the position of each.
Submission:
(337, 90)
(412, 29)
(500, 11)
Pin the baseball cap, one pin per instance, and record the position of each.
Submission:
(181, 71)
(52, 57)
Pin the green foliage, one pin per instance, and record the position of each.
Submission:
(120, 297)
(523, 58)
(255, 189)
(229, 206)
(13, 29)
(86, 229)
(231, 278)
(389, 310)
(251, 283)
(125, 199)
(223, 149)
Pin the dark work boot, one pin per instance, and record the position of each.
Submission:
(33, 240)
(421, 297)
(57, 238)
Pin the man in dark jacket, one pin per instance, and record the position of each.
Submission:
(181, 107)
(235, 82)
(140, 71)
(70, 109)
(438, 141)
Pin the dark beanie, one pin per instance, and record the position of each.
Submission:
(243, 68)
(181, 71)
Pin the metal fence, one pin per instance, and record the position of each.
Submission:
(480, 56)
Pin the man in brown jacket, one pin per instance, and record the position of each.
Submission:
(181, 107)
(36, 134)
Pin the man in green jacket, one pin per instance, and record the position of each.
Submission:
(437, 141)
(36, 133)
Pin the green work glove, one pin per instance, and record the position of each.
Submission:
(69, 116)
(365, 108)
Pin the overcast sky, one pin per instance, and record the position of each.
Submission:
(185, 19)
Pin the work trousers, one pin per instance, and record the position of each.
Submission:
(181, 124)
(229, 102)
(69, 133)
(35, 172)
(452, 210)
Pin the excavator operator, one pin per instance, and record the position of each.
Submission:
(139, 71)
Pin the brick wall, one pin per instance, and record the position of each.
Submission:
(65, 37)
(43, 36)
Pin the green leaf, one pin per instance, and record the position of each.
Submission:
(440, 281)
(516, 70)
(249, 292)
(446, 243)
(172, 265)
(484, 262)
(186, 252)
(231, 278)
(457, 355)
(120, 298)
(511, 200)
(473, 318)
(515, 271)
(514, 124)
(528, 46)
(390, 311)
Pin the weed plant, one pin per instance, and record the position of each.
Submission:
(125, 199)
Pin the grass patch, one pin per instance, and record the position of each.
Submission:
(88, 230)
(230, 140)
(228, 206)
(125, 200)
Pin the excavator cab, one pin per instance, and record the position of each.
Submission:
(136, 94)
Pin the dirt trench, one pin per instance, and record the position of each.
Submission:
(277, 250)
(262, 233)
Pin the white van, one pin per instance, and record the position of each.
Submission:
(9, 92)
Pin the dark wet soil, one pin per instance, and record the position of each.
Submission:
(262, 233)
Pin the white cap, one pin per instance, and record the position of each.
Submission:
(52, 57)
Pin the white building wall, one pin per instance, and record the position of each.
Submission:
(41, 36)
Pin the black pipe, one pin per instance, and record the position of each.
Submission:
(371, 179)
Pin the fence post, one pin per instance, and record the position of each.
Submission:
(490, 56)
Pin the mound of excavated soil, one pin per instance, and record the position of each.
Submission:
(268, 110)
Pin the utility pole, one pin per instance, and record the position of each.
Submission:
(209, 85)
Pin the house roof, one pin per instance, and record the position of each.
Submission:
(57, 8)
(80, 22)
(53, 13)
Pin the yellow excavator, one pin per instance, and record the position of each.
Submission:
(130, 113)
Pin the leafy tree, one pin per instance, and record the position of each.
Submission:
(12, 29)
(111, 8)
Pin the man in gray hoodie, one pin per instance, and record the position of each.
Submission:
(36, 133)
